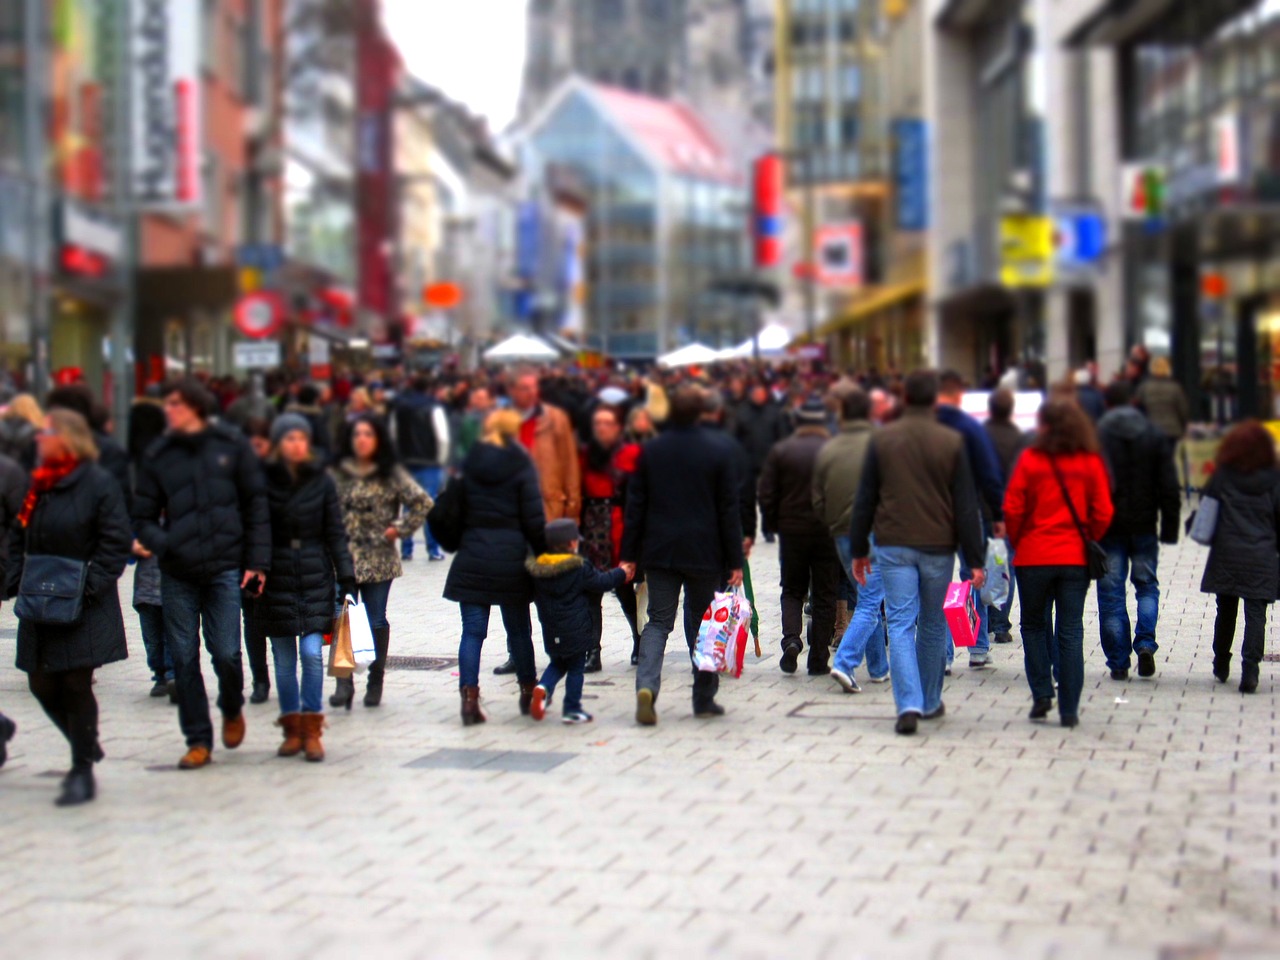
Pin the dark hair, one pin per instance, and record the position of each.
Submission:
(384, 457)
(950, 382)
(421, 383)
(688, 403)
(1117, 394)
(75, 397)
(1067, 429)
(308, 395)
(192, 393)
(1247, 448)
(921, 389)
(613, 411)
(259, 427)
(855, 404)
(1000, 405)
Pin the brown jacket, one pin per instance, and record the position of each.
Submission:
(555, 456)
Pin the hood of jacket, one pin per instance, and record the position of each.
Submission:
(491, 465)
(548, 566)
(1127, 423)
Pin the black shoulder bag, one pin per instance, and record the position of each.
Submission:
(448, 515)
(1095, 558)
(51, 590)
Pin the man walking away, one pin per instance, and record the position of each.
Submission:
(836, 478)
(682, 529)
(807, 553)
(422, 443)
(987, 480)
(215, 541)
(1009, 442)
(917, 497)
(1145, 487)
(758, 425)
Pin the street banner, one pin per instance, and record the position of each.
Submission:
(164, 58)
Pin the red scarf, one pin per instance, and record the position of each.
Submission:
(43, 479)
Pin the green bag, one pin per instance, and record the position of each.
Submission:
(751, 598)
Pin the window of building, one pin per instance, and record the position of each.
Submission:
(850, 82)
(211, 187)
(848, 30)
(210, 32)
(849, 126)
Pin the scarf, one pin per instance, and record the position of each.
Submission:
(43, 479)
(599, 459)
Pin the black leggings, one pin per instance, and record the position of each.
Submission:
(67, 697)
(1255, 629)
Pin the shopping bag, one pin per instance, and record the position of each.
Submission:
(1204, 522)
(962, 613)
(642, 606)
(750, 594)
(723, 635)
(342, 661)
(362, 649)
(743, 611)
(995, 593)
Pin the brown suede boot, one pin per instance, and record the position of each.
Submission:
(291, 723)
(526, 697)
(471, 712)
(312, 725)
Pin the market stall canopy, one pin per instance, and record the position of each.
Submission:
(774, 340)
(692, 355)
(520, 347)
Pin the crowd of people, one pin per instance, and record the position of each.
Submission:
(254, 511)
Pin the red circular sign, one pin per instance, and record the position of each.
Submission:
(259, 315)
(442, 296)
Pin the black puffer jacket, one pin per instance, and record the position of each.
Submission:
(83, 517)
(758, 428)
(1144, 484)
(308, 552)
(210, 489)
(1243, 561)
(503, 519)
(562, 585)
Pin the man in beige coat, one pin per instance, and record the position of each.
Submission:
(548, 436)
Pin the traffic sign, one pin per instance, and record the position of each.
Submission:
(259, 315)
(256, 356)
(1026, 251)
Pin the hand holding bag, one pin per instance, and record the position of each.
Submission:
(1095, 557)
(51, 590)
(342, 660)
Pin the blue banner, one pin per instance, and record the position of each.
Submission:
(911, 172)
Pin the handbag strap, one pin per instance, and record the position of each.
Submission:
(1066, 495)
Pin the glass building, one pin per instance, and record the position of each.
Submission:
(666, 217)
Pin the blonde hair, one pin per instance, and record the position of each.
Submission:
(25, 407)
(362, 395)
(73, 430)
(1160, 367)
(501, 427)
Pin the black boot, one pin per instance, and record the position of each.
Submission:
(261, 692)
(78, 787)
(635, 652)
(343, 693)
(7, 730)
(381, 644)
(593, 662)
(1249, 677)
(506, 669)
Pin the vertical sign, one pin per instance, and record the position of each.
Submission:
(164, 48)
(1226, 147)
(841, 255)
(768, 191)
(911, 173)
(376, 66)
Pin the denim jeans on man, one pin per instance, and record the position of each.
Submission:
(159, 660)
(1133, 558)
(915, 587)
(865, 633)
(475, 627)
(429, 479)
(982, 649)
(1067, 587)
(211, 607)
(664, 600)
(571, 668)
(285, 650)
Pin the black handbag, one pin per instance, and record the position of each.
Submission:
(51, 590)
(1095, 557)
(448, 516)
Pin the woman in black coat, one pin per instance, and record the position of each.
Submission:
(1244, 560)
(308, 552)
(74, 509)
(503, 522)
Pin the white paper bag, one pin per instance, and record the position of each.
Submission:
(361, 635)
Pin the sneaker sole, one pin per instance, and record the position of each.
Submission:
(575, 721)
(538, 705)
(845, 682)
(646, 716)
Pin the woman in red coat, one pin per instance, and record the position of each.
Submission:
(1049, 550)
(607, 462)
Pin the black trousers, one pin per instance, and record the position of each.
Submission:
(67, 697)
(810, 567)
(626, 595)
(1255, 629)
(255, 644)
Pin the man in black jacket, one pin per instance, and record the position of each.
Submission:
(421, 426)
(759, 423)
(807, 553)
(682, 528)
(1145, 490)
(215, 541)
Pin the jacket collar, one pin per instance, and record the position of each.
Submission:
(918, 413)
(855, 426)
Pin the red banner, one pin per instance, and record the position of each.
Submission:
(377, 68)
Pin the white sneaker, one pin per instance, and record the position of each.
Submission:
(577, 716)
(884, 679)
(847, 683)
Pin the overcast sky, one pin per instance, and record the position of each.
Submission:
(473, 50)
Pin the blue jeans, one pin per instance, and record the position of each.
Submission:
(159, 660)
(475, 627)
(999, 616)
(285, 650)
(429, 479)
(213, 605)
(915, 587)
(1137, 559)
(571, 669)
(375, 596)
(1067, 588)
(865, 632)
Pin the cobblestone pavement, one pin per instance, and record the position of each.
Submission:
(797, 826)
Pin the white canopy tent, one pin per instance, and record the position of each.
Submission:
(774, 340)
(521, 348)
(693, 354)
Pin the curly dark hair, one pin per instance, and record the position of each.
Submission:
(1066, 428)
(384, 457)
(1247, 448)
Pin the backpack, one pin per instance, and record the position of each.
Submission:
(447, 516)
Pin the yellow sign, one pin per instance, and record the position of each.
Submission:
(896, 8)
(250, 280)
(1026, 251)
